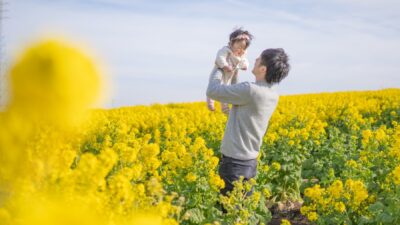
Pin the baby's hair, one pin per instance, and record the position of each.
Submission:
(238, 35)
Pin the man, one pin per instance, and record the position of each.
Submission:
(253, 104)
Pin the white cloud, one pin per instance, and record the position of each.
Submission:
(164, 53)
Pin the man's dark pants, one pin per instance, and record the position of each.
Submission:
(231, 169)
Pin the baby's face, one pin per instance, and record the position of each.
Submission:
(238, 47)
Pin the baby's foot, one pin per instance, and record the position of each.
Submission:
(225, 108)
(210, 104)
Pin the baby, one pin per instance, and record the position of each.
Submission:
(230, 59)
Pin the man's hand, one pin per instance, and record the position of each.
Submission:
(227, 69)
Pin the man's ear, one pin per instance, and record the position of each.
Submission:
(264, 69)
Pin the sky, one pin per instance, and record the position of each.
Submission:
(163, 51)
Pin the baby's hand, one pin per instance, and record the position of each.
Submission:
(227, 69)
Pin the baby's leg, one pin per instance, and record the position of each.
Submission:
(226, 78)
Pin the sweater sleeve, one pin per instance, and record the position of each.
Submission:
(237, 94)
(221, 60)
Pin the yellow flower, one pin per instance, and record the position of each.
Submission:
(276, 166)
(213, 162)
(216, 182)
(154, 187)
(366, 134)
(271, 137)
(247, 186)
(147, 219)
(266, 192)
(54, 81)
(396, 175)
(187, 160)
(283, 132)
(357, 190)
(164, 208)
(136, 171)
(304, 210)
(169, 222)
(150, 150)
(265, 168)
(314, 192)
(285, 222)
(336, 189)
(351, 163)
(339, 206)
(5, 216)
(380, 135)
(312, 216)
(191, 177)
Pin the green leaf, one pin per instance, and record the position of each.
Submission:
(196, 216)
(385, 218)
(378, 206)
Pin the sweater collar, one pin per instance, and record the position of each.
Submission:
(261, 82)
(264, 83)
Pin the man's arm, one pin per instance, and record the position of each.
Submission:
(237, 94)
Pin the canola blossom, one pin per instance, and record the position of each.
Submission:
(63, 162)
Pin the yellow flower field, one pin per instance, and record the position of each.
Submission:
(158, 164)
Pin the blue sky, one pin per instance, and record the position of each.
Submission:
(163, 51)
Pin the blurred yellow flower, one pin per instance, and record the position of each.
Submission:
(54, 81)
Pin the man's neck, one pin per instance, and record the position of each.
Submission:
(260, 78)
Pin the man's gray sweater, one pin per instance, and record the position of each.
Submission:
(253, 104)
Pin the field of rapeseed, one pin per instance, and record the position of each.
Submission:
(338, 153)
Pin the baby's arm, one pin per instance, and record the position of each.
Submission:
(244, 64)
(221, 57)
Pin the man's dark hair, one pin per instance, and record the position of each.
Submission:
(233, 37)
(276, 61)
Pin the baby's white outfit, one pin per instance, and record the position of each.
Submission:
(225, 57)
